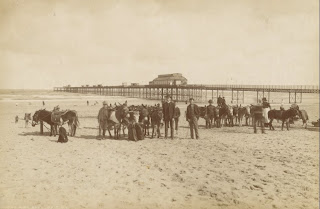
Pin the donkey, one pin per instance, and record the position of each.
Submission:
(118, 116)
(44, 115)
(156, 118)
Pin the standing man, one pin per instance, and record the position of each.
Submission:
(103, 119)
(87, 102)
(210, 114)
(176, 118)
(219, 101)
(43, 104)
(223, 101)
(257, 117)
(192, 115)
(168, 114)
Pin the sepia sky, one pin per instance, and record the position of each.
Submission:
(47, 43)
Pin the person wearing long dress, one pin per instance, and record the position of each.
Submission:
(266, 108)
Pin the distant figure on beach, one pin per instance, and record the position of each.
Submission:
(16, 104)
(27, 117)
(168, 112)
(176, 118)
(43, 104)
(192, 116)
(16, 119)
(87, 103)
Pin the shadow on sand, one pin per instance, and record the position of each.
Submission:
(35, 133)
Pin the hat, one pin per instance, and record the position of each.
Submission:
(264, 99)
(210, 101)
(191, 99)
(104, 103)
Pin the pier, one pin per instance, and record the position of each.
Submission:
(200, 93)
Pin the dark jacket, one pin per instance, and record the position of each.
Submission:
(266, 105)
(168, 110)
(196, 112)
(177, 112)
(103, 114)
(210, 109)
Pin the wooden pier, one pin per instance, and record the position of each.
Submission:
(201, 93)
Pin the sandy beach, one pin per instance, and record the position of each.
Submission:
(226, 168)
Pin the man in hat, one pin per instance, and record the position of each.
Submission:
(223, 101)
(103, 119)
(192, 116)
(219, 101)
(257, 117)
(210, 114)
(168, 114)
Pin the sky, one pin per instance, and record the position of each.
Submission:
(51, 43)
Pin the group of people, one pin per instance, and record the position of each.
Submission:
(171, 115)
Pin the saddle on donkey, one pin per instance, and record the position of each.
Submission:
(56, 115)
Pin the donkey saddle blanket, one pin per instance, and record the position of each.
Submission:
(56, 117)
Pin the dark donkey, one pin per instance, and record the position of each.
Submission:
(144, 119)
(73, 122)
(156, 118)
(283, 115)
(274, 114)
(45, 116)
(287, 114)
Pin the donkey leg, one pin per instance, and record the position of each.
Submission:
(109, 133)
(55, 130)
(152, 126)
(51, 128)
(158, 130)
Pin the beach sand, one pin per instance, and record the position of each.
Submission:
(226, 168)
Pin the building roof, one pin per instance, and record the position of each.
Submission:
(174, 76)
